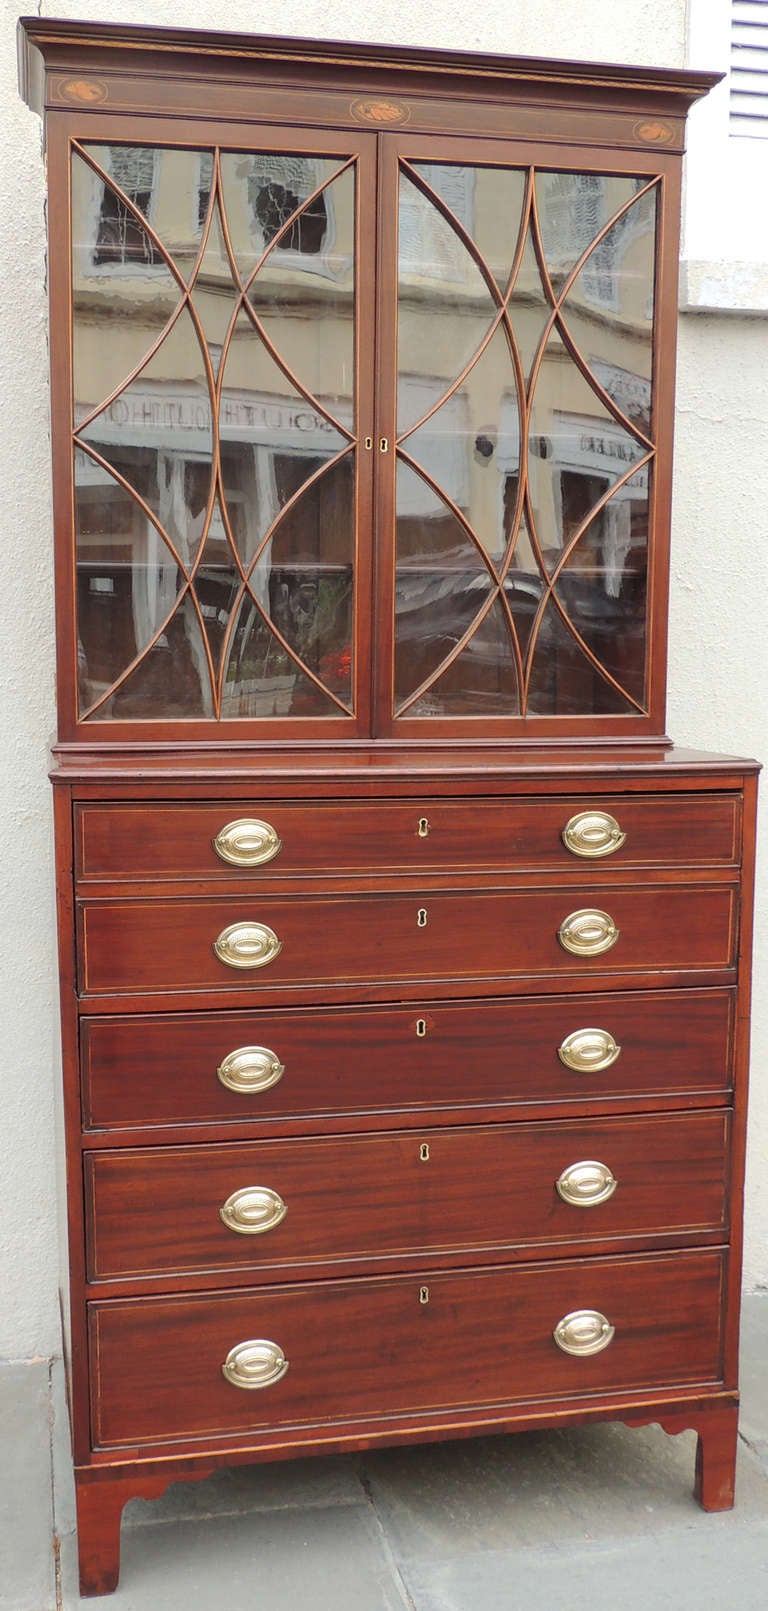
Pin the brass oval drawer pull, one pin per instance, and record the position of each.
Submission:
(247, 945)
(586, 1184)
(249, 1069)
(247, 842)
(256, 1363)
(592, 834)
(588, 1050)
(587, 933)
(583, 1331)
(253, 1210)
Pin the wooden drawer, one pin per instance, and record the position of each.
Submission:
(163, 1069)
(292, 1205)
(136, 945)
(175, 841)
(359, 1351)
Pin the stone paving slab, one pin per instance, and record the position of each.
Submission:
(716, 1569)
(27, 1578)
(295, 1559)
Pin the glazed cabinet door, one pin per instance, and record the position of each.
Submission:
(520, 310)
(222, 430)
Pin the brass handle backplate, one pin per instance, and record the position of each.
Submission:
(587, 933)
(247, 945)
(583, 1332)
(256, 1363)
(588, 1050)
(585, 1184)
(253, 1210)
(247, 842)
(592, 834)
(249, 1069)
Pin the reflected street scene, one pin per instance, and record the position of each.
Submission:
(214, 362)
(524, 421)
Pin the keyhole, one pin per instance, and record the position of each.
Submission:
(421, 1027)
(423, 827)
(424, 1152)
(423, 1294)
(421, 917)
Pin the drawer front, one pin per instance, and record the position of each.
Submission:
(288, 838)
(353, 940)
(366, 1350)
(293, 1064)
(275, 1206)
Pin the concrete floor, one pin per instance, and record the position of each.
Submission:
(596, 1519)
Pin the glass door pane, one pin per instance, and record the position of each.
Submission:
(524, 441)
(216, 345)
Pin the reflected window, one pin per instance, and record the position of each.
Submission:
(577, 206)
(277, 187)
(274, 204)
(120, 237)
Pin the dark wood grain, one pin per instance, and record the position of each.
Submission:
(138, 946)
(162, 1070)
(368, 1199)
(366, 1349)
(124, 842)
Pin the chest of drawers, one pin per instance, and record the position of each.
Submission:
(424, 1163)
(404, 961)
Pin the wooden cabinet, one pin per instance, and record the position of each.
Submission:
(404, 961)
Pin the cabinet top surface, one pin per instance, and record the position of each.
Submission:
(54, 37)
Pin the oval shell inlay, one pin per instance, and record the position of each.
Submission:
(379, 110)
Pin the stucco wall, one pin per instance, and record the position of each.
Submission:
(721, 497)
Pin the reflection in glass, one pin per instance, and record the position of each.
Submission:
(217, 586)
(169, 188)
(441, 582)
(523, 586)
(127, 578)
(261, 679)
(128, 290)
(445, 307)
(482, 680)
(265, 427)
(572, 210)
(602, 586)
(529, 307)
(488, 204)
(215, 295)
(157, 433)
(563, 682)
(471, 446)
(303, 580)
(576, 449)
(304, 298)
(171, 680)
(262, 192)
(157, 430)
(609, 310)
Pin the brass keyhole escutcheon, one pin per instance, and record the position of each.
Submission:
(424, 1152)
(368, 443)
(421, 1027)
(384, 444)
(423, 829)
(423, 1294)
(421, 917)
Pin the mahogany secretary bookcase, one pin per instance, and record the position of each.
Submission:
(404, 960)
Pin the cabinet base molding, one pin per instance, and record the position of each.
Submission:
(102, 1491)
